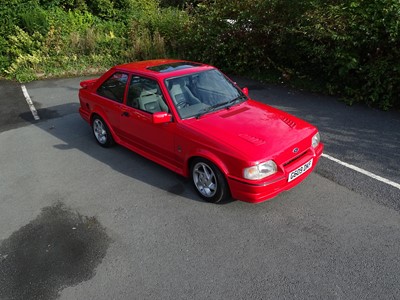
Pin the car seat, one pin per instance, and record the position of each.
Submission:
(180, 93)
(150, 101)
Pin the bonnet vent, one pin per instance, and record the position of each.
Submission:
(289, 122)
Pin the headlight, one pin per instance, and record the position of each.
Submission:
(315, 140)
(260, 171)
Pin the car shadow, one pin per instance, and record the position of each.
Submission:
(64, 123)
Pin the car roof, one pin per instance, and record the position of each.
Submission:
(164, 68)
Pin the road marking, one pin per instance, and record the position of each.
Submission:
(362, 171)
(30, 103)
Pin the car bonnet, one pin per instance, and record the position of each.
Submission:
(256, 130)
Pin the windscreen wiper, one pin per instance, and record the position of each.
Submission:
(231, 102)
(210, 108)
(218, 105)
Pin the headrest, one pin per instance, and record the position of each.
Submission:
(148, 92)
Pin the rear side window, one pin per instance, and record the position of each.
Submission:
(114, 87)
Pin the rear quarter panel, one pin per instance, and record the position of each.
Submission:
(91, 103)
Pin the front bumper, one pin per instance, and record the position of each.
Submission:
(260, 192)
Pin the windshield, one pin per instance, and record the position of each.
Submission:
(199, 93)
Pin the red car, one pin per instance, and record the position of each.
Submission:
(192, 119)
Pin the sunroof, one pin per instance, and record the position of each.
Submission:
(173, 66)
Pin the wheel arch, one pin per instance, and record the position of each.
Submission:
(224, 189)
(207, 155)
(99, 113)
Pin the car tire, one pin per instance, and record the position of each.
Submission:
(208, 181)
(101, 132)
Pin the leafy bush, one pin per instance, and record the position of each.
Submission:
(34, 20)
(170, 24)
(62, 37)
(350, 47)
(354, 46)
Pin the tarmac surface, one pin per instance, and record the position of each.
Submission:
(81, 222)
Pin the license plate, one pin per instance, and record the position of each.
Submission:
(300, 171)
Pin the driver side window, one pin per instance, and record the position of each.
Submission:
(145, 94)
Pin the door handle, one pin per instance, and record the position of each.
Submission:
(125, 114)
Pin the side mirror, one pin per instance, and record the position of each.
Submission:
(245, 91)
(161, 117)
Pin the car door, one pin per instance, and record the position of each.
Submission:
(111, 97)
(144, 97)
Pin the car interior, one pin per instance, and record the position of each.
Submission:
(145, 94)
(181, 94)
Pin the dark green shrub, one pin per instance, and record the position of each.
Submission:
(34, 20)
(61, 37)
(351, 47)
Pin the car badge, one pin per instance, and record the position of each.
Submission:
(295, 150)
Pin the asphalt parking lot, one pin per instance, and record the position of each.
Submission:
(82, 222)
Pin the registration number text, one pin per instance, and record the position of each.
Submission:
(300, 170)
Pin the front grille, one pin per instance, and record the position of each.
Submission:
(295, 158)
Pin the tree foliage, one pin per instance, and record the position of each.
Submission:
(61, 37)
(349, 47)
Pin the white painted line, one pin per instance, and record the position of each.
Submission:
(30, 103)
(362, 171)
